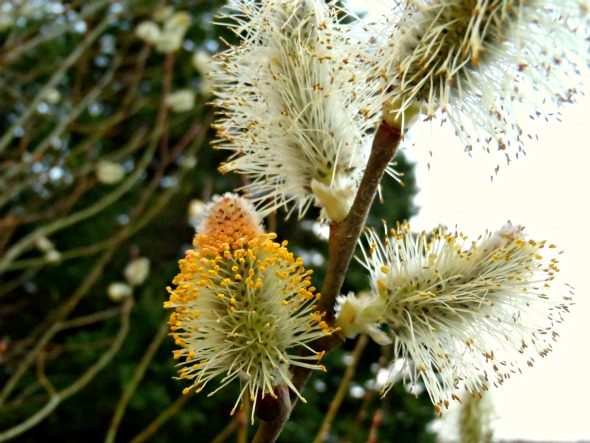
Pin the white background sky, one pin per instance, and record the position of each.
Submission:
(547, 191)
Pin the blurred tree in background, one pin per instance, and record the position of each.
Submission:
(103, 166)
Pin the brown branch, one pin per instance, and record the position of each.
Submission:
(131, 387)
(342, 243)
(148, 432)
(54, 323)
(163, 112)
(79, 384)
(227, 431)
(336, 402)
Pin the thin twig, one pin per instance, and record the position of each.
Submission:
(54, 32)
(43, 380)
(57, 76)
(89, 211)
(342, 243)
(92, 277)
(90, 319)
(62, 125)
(134, 382)
(9, 286)
(79, 384)
(375, 424)
(360, 416)
(163, 112)
(47, 331)
(342, 389)
(163, 418)
(242, 421)
(226, 432)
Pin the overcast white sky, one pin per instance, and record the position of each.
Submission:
(547, 191)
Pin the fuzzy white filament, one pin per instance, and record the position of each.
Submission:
(485, 65)
(465, 313)
(298, 100)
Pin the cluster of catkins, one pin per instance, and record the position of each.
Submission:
(300, 98)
